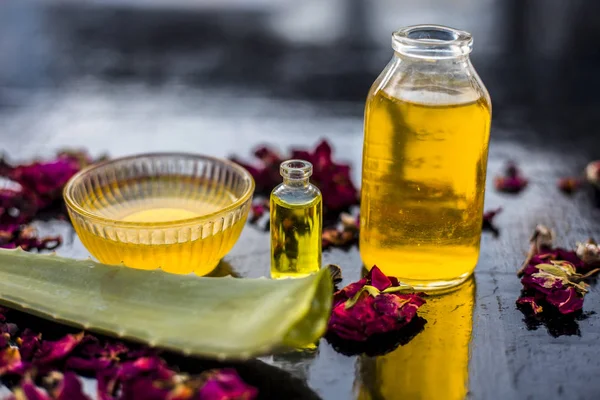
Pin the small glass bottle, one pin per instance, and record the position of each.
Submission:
(427, 125)
(296, 223)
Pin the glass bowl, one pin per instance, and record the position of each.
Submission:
(178, 212)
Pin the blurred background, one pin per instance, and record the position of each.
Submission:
(72, 71)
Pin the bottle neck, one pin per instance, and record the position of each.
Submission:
(460, 61)
(295, 182)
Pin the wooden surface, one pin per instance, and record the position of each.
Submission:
(485, 344)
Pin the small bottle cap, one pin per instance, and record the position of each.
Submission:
(296, 169)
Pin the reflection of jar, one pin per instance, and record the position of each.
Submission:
(434, 364)
(427, 123)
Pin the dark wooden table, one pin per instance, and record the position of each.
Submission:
(475, 343)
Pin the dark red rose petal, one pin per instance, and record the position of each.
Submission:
(566, 301)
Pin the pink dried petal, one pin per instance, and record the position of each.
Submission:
(31, 392)
(29, 343)
(16, 206)
(225, 384)
(45, 179)
(559, 254)
(49, 352)
(106, 384)
(348, 292)
(152, 366)
(378, 279)
(143, 388)
(69, 388)
(566, 301)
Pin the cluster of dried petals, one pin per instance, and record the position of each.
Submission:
(343, 235)
(46, 370)
(512, 181)
(568, 185)
(33, 188)
(553, 276)
(331, 178)
(373, 305)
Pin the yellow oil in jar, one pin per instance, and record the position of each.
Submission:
(434, 364)
(180, 250)
(424, 168)
(295, 237)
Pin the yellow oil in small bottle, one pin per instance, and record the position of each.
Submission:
(158, 200)
(435, 363)
(424, 168)
(296, 223)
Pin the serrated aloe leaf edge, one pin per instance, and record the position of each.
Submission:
(222, 318)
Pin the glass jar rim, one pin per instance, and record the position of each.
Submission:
(432, 41)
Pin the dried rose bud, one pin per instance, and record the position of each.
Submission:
(371, 306)
(569, 185)
(349, 221)
(589, 252)
(592, 173)
(512, 181)
(542, 238)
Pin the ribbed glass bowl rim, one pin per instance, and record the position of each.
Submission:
(76, 179)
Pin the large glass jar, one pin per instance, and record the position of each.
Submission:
(427, 123)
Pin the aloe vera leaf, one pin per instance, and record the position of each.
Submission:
(223, 318)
